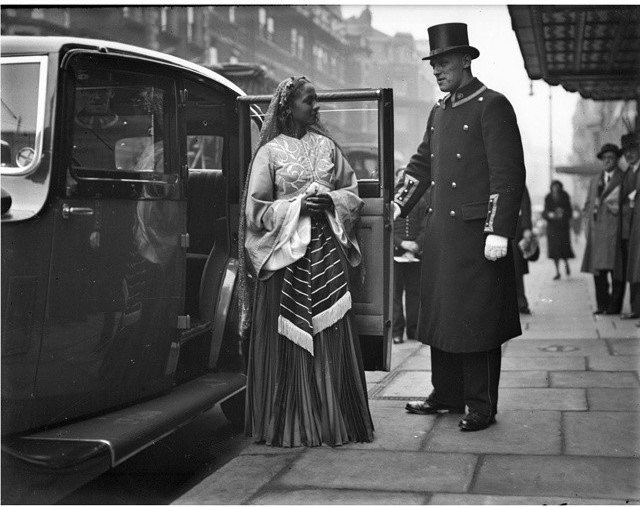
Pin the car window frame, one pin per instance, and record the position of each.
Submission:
(43, 60)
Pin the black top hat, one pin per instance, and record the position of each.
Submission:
(449, 38)
(609, 147)
(629, 141)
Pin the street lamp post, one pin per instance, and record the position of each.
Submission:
(551, 170)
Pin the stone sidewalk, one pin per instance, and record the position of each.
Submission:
(567, 429)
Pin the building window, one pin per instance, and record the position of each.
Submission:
(270, 28)
(163, 19)
(190, 19)
(37, 14)
(232, 14)
(262, 22)
(300, 46)
(125, 12)
(294, 41)
(212, 56)
(233, 59)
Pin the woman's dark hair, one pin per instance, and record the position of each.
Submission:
(557, 183)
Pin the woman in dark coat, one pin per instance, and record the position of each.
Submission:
(557, 212)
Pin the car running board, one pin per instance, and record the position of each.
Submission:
(118, 435)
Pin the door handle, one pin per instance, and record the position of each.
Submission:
(67, 211)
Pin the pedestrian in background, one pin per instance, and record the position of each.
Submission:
(523, 232)
(471, 159)
(602, 214)
(408, 233)
(630, 222)
(557, 212)
(305, 380)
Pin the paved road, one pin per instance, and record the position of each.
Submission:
(567, 431)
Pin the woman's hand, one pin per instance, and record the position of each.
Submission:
(319, 203)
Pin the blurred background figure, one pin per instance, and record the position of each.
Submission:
(602, 214)
(557, 212)
(523, 236)
(630, 222)
(407, 245)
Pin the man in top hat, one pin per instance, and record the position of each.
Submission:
(630, 223)
(602, 213)
(471, 159)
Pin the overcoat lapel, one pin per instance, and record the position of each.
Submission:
(615, 181)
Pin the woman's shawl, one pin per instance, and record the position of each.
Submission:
(283, 171)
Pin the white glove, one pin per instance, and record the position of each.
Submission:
(495, 247)
(396, 210)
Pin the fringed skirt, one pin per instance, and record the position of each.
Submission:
(295, 398)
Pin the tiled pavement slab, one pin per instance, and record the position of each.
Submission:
(566, 476)
(336, 496)
(555, 347)
(613, 399)
(396, 429)
(370, 470)
(416, 362)
(602, 433)
(417, 384)
(542, 399)
(625, 346)
(238, 480)
(456, 499)
(594, 379)
(544, 363)
(515, 432)
(614, 363)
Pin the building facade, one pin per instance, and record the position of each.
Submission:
(259, 45)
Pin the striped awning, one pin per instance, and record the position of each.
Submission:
(593, 50)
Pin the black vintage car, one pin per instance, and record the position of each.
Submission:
(121, 175)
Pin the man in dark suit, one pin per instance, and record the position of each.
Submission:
(471, 158)
(523, 231)
(407, 251)
(629, 227)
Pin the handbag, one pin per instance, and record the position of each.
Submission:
(530, 248)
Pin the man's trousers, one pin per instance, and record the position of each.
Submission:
(608, 297)
(469, 379)
(406, 278)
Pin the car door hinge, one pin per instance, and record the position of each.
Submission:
(184, 321)
(185, 240)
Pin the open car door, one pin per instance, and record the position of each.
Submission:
(361, 121)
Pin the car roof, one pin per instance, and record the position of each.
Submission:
(32, 45)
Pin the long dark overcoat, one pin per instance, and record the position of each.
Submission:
(471, 157)
(602, 216)
(633, 266)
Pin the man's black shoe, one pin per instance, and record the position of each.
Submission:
(524, 310)
(599, 311)
(628, 316)
(429, 408)
(474, 422)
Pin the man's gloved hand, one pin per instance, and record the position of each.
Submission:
(396, 210)
(495, 247)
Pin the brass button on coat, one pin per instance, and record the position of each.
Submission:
(458, 156)
(465, 127)
(454, 184)
(433, 183)
(452, 213)
(430, 210)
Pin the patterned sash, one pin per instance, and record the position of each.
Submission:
(315, 294)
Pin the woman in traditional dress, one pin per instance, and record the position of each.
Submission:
(305, 381)
(557, 212)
